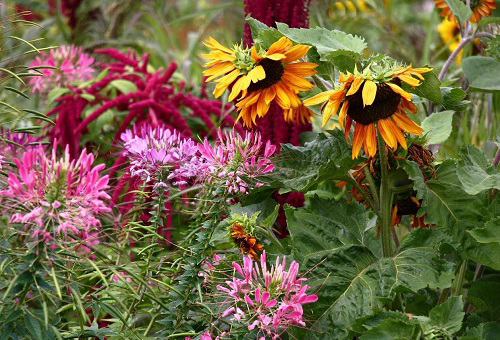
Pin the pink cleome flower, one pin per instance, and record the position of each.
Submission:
(55, 197)
(72, 65)
(235, 159)
(267, 300)
(161, 154)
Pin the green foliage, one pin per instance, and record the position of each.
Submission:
(461, 11)
(482, 73)
(438, 126)
(474, 172)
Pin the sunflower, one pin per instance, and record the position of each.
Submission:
(374, 100)
(408, 206)
(480, 9)
(283, 79)
(449, 33)
(246, 242)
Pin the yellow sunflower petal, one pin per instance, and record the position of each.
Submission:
(355, 86)
(295, 53)
(358, 140)
(406, 124)
(257, 74)
(346, 77)
(370, 143)
(276, 56)
(282, 97)
(409, 80)
(269, 94)
(279, 46)
(369, 92)
(240, 85)
(400, 91)
(329, 111)
(343, 112)
(385, 132)
(319, 98)
(295, 82)
(262, 107)
(218, 70)
(212, 43)
(396, 132)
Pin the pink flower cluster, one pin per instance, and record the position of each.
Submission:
(234, 160)
(208, 267)
(13, 144)
(266, 300)
(53, 197)
(161, 154)
(71, 65)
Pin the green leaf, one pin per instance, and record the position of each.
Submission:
(453, 98)
(460, 10)
(124, 86)
(353, 282)
(391, 329)
(56, 93)
(483, 296)
(485, 331)
(482, 72)
(446, 204)
(474, 171)
(445, 319)
(34, 327)
(326, 224)
(494, 47)
(299, 168)
(490, 233)
(332, 46)
(88, 97)
(437, 127)
(430, 88)
(262, 34)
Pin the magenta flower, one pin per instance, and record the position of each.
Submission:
(267, 300)
(55, 197)
(161, 154)
(235, 160)
(72, 65)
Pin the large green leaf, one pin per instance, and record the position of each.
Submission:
(474, 171)
(353, 282)
(299, 168)
(326, 224)
(262, 34)
(461, 11)
(391, 329)
(430, 88)
(489, 233)
(453, 98)
(482, 72)
(331, 45)
(483, 295)
(444, 320)
(437, 127)
(484, 331)
(445, 202)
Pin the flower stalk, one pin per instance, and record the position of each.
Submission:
(385, 200)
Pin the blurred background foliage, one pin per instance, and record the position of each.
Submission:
(174, 30)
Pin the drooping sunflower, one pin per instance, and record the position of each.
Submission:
(374, 100)
(284, 79)
(480, 9)
(246, 242)
(450, 35)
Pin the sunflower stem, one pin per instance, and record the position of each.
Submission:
(371, 203)
(373, 187)
(456, 288)
(385, 200)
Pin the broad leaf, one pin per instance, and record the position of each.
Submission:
(437, 127)
(474, 171)
(482, 72)
(483, 295)
(355, 283)
(391, 329)
(485, 331)
(447, 317)
(489, 233)
(299, 168)
(460, 10)
(430, 88)
(124, 86)
(453, 98)
(262, 34)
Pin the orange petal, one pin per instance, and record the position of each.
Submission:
(370, 142)
(359, 138)
(386, 133)
(406, 124)
(319, 98)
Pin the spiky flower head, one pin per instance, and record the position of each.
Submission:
(70, 64)
(52, 197)
(235, 160)
(374, 100)
(266, 300)
(161, 154)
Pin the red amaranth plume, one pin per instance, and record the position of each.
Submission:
(68, 9)
(272, 126)
(157, 102)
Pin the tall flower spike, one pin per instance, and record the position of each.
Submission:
(373, 101)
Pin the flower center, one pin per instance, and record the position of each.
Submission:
(385, 104)
(407, 207)
(274, 70)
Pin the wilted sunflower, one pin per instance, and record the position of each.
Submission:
(480, 9)
(284, 79)
(246, 242)
(373, 99)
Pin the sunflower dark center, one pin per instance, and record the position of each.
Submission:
(385, 104)
(407, 207)
(274, 70)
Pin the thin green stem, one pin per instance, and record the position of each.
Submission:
(456, 288)
(319, 83)
(385, 200)
(365, 194)
(373, 187)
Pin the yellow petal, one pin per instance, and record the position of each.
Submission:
(343, 112)
(358, 140)
(370, 143)
(329, 111)
(369, 92)
(319, 98)
(396, 132)
(296, 83)
(385, 131)
(355, 86)
(279, 46)
(406, 124)
(409, 80)
(214, 44)
(295, 53)
(269, 94)
(257, 74)
(276, 56)
(240, 85)
(400, 91)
